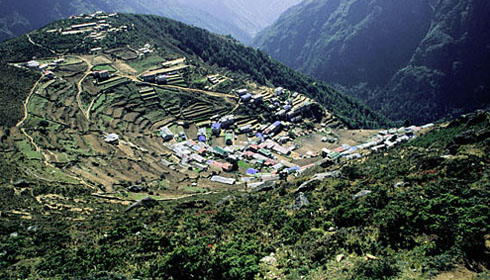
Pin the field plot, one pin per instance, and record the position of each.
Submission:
(123, 53)
(103, 67)
(147, 62)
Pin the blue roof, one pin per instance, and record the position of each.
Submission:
(216, 125)
(201, 138)
(296, 168)
(252, 171)
(276, 123)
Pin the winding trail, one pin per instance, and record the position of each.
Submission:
(80, 88)
(31, 92)
(39, 45)
(91, 105)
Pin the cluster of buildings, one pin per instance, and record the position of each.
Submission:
(247, 97)
(101, 75)
(36, 65)
(263, 157)
(44, 68)
(169, 71)
(384, 140)
(97, 24)
(266, 153)
(146, 49)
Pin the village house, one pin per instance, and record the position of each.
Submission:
(257, 99)
(242, 92)
(227, 121)
(201, 134)
(166, 134)
(220, 152)
(216, 129)
(228, 139)
(149, 78)
(49, 74)
(223, 180)
(161, 79)
(245, 129)
(84, 25)
(265, 153)
(95, 50)
(112, 138)
(246, 98)
(33, 64)
(274, 128)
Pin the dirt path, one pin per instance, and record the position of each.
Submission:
(91, 105)
(80, 88)
(110, 197)
(31, 92)
(39, 45)
(235, 108)
(211, 93)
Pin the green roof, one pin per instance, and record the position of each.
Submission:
(264, 152)
(220, 151)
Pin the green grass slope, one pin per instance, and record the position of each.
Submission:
(426, 212)
(205, 47)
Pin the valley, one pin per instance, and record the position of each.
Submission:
(136, 147)
(129, 122)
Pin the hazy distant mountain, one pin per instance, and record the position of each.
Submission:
(419, 60)
(251, 16)
(240, 18)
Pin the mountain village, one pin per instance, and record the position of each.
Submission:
(220, 145)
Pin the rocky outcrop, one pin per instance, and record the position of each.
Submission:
(316, 179)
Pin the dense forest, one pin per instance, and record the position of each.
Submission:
(207, 48)
(415, 60)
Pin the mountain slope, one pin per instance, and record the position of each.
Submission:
(415, 60)
(18, 17)
(239, 18)
(251, 16)
(211, 49)
(92, 186)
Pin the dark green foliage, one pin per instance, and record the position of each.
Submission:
(415, 60)
(13, 92)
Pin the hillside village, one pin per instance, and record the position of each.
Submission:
(131, 152)
(198, 128)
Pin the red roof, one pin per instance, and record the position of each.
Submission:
(339, 150)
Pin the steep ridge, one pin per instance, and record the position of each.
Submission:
(17, 17)
(412, 60)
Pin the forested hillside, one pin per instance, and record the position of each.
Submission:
(210, 49)
(412, 60)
